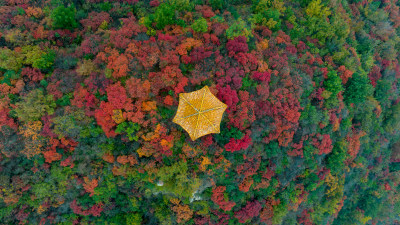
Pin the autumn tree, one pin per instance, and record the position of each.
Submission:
(184, 213)
(32, 74)
(252, 209)
(218, 197)
(34, 105)
(34, 142)
(90, 185)
(96, 20)
(315, 8)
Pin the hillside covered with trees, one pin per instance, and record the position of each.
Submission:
(89, 89)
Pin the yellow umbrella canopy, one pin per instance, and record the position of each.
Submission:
(199, 113)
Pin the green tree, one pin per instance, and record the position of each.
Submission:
(226, 134)
(38, 58)
(64, 18)
(280, 211)
(310, 118)
(335, 160)
(318, 28)
(200, 25)
(133, 219)
(181, 5)
(162, 211)
(163, 16)
(383, 92)
(106, 189)
(358, 88)
(341, 28)
(392, 119)
(175, 180)
(269, 17)
(238, 28)
(129, 128)
(8, 76)
(333, 85)
(46, 61)
(218, 4)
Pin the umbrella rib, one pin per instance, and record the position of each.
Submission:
(190, 104)
(199, 112)
(215, 108)
(209, 122)
(192, 114)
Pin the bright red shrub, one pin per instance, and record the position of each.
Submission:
(219, 199)
(237, 145)
(252, 209)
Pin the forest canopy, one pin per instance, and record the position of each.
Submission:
(89, 90)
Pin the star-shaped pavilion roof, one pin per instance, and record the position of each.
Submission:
(199, 113)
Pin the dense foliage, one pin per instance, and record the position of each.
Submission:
(88, 90)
